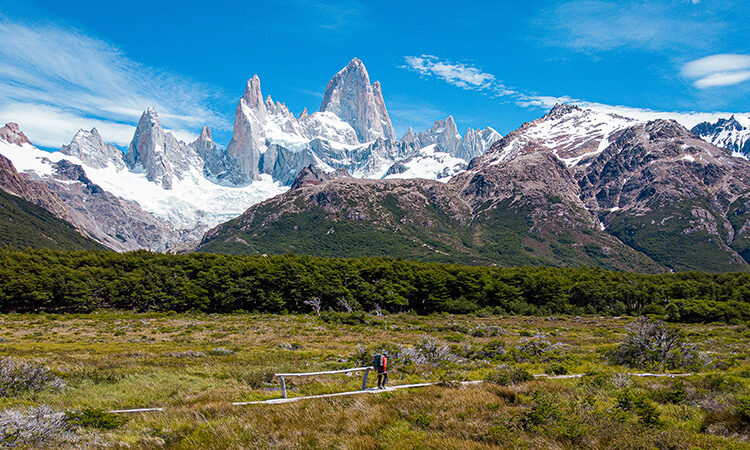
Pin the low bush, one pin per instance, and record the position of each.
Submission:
(653, 344)
(18, 376)
(34, 427)
(94, 418)
(505, 375)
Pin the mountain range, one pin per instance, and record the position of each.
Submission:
(572, 188)
(163, 194)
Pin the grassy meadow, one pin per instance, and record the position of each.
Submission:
(195, 365)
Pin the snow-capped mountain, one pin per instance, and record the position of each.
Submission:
(732, 134)
(175, 190)
(574, 135)
(162, 187)
(351, 131)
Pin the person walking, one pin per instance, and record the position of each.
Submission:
(381, 365)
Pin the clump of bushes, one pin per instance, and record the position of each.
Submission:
(538, 348)
(506, 375)
(653, 344)
(94, 418)
(18, 376)
(34, 427)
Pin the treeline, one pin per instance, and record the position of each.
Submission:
(57, 281)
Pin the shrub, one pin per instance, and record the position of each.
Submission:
(432, 352)
(420, 419)
(33, 427)
(505, 375)
(556, 369)
(94, 418)
(627, 400)
(545, 410)
(257, 379)
(673, 394)
(221, 351)
(652, 343)
(537, 348)
(493, 350)
(18, 376)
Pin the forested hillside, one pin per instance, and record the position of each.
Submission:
(56, 281)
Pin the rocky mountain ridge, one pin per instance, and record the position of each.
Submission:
(732, 134)
(573, 187)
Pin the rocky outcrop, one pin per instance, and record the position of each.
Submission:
(90, 148)
(214, 162)
(12, 134)
(312, 176)
(351, 97)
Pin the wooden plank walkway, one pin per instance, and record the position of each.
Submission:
(277, 401)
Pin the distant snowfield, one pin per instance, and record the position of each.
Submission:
(432, 164)
(193, 202)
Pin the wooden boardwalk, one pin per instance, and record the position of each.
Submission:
(277, 401)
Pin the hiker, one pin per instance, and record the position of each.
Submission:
(381, 363)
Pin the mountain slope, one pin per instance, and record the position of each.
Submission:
(24, 224)
(670, 195)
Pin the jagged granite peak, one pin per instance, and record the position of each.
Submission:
(732, 133)
(313, 175)
(445, 134)
(252, 95)
(162, 157)
(303, 114)
(90, 148)
(12, 134)
(354, 100)
(249, 135)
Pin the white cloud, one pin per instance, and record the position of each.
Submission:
(457, 74)
(51, 127)
(687, 119)
(718, 70)
(49, 72)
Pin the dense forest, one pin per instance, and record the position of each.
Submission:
(63, 281)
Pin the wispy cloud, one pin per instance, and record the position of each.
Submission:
(718, 70)
(82, 82)
(533, 100)
(601, 25)
(458, 74)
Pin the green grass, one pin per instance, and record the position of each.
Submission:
(113, 360)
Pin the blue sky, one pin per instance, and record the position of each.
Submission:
(79, 64)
